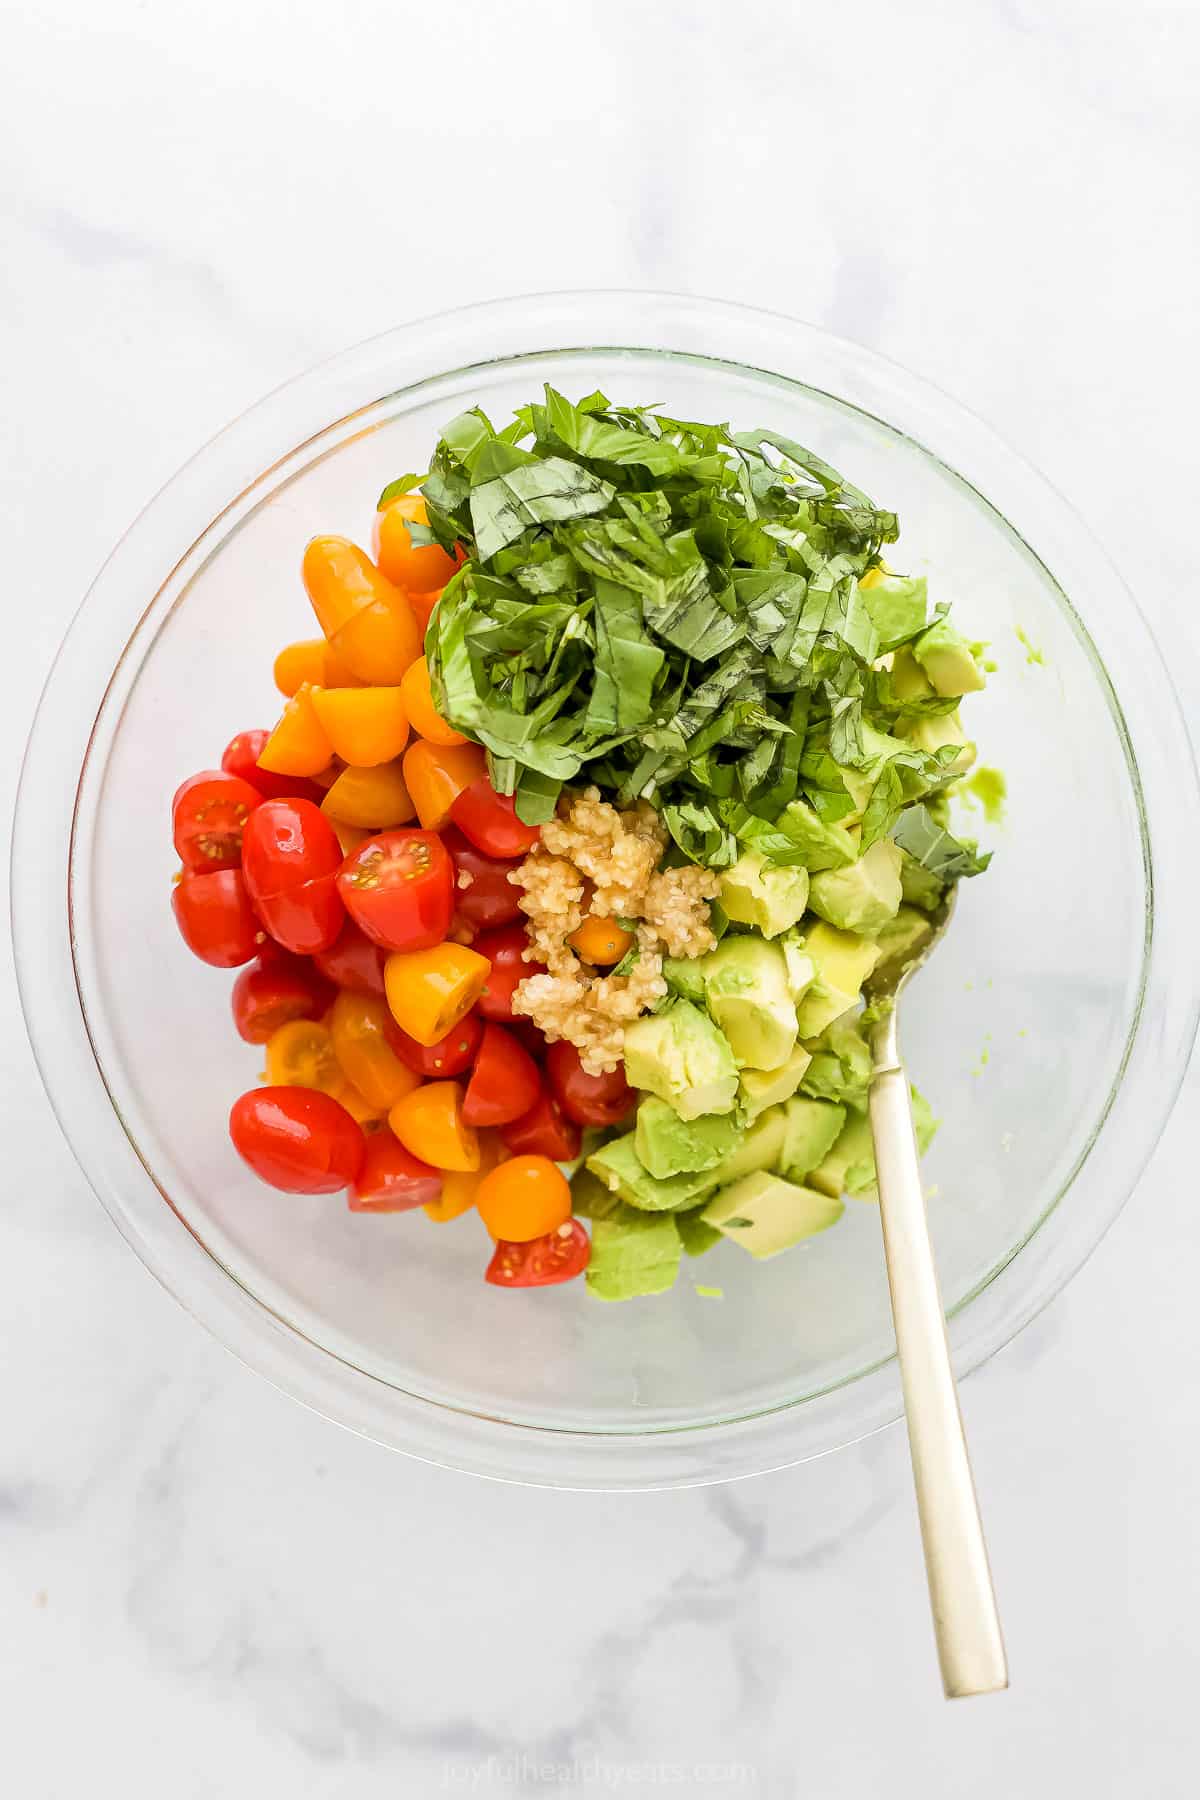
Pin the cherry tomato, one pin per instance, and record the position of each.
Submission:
(430, 1124)
(299, 665)
(417, 566)
(524, 1198)
(505, 1082)
(544, 1130)
(392, 1179)
(366, 726)
(374, 799)
(307, 918)
(558, 1256)
(460, 1186)
(299, 744)
(364, 615)
(490, 821)
(357, 1025)
(451, 1055)
(241, 758)
(489, 898)
(274, 991)
(208, 817)
(297, 1139)
(529, 1037)
(214, 913)
(352, 961)
(423, 715)
(505, 951)
(429, 991)
(290, 858)
(399, 889)
(588, 1099)
(600, 941)
(301, 1054)
(435, 775)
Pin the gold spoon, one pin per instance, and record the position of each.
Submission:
(965, 1621)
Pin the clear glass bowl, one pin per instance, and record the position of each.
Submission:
(1051, 1031)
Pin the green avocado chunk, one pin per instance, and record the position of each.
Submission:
(667, 1145)
(766, 895)
(841, 1065)
(812, 1129)
(948, 660)
(680, 1055)
(766, 1214)
(906, 935)
(760, 1088)
(918, 886)
(633, 1256)
(849, 1168)
(843, 961)
(864, 897)
(618, 1165)
(759, 1149)
(695, 1236)
(934, 731)
(749, 995)
(684, 977)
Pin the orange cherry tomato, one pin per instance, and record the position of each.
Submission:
(422, 714)
(298, 745)
(422, 606)
(460, 1186)
(413, 567)
(373, 799)
(429, 1124)
(600, 941)
(436, 774)
(301, 1054)
(367, 619)
(300, 664)
(363, 1111)
(365, 725)
(429, 991)
(524, 1198)
(363, 1052)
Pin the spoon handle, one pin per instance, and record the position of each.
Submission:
(965, 1621)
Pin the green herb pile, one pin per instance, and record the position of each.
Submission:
(676, 611)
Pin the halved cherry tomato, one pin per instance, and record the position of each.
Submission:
(524, 1198)
(504, 1083)
(558, 1256)
(297, 1139)
(600, 941)
(218, 923)
(301, 1054)
(299, 744)
(422, 606)
(490, 821)
(290, 858)
(505, 951)
(423, 715)
(306, 918)
(366, 618)
(241, 758)
(451, 1055)
(366, 725)
(375, 799)
(274, 991)
(435, 774)
(460, 1186)
(298, 665)
(356, 1025)
(399, 889)
(529, 1037)
(352, 961)
(429, 991)
(392, 1179)
(208, 817)
(588, 1099)
(349, 837)
(429, 1122)
(486, 897)
(418, 566)
(360, 1108)
(544, 1130)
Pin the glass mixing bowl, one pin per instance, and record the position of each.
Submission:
(1051, 1030)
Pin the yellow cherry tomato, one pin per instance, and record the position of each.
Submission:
(365, 725)
(436, 774)
(300, 664)
(298, 745)
(375, 799)
(600, 940)
(429, 1124)
(524, 1198)
(422, 714)
(301, 1054)
(460, 1186)
(367, 619)
(429, 991)
(348, 836)
(367, 1059)
(417, 567)
(361, 1110)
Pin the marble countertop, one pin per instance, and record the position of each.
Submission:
(209, 1591)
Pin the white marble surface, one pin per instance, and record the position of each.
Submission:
(208, 1592)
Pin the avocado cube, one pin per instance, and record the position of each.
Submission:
(633, 1256)
(760, 1088)
(680, 1055)
(618, 1165)
(695, 1236)
(905, 936)
(841, 1064)
(766, 1214)
(934, 731)
(864, 897)
(843, 961)
(759, 1149)
(747, 988)
(812, 1129)
(667, 1145)
(948, 660)
(918, 886)
(762, 894)
(909, 680)
(684, 977)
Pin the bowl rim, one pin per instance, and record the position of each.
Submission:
(195, 504)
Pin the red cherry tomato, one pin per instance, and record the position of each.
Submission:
(559, 1256)
(450, 1056)
(208, 816)
(399, 889)
(489, 898)
(588, 1099)
(505, 950)
(490, 821)
(544, 1130)
(352, 961)
(241, 758)
(290, 858)
(297, 1139)
(214, 913)
(277, 989)
(529, 1037)
(392, 1179)
(305, 919)
(505, 1082)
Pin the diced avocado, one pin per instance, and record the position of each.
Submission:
(948, 660)
(765, 895)
(765, 1214)
(694, 1234)
(933, 731)
(760, 1088)
(841, 1065)
(591, 1199)
(905, 936)
(680, 1055)
(812, 1129)
(632, 1256)
(918, 886)
(618, 1165)
(746, 986)
(684, 978)
(822, 846)
(801, 969)
(909, 680)
(863, 897)
(860, 785)
(667, 1145)
(849, 1167)
(759, 1149)
(843, 960)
